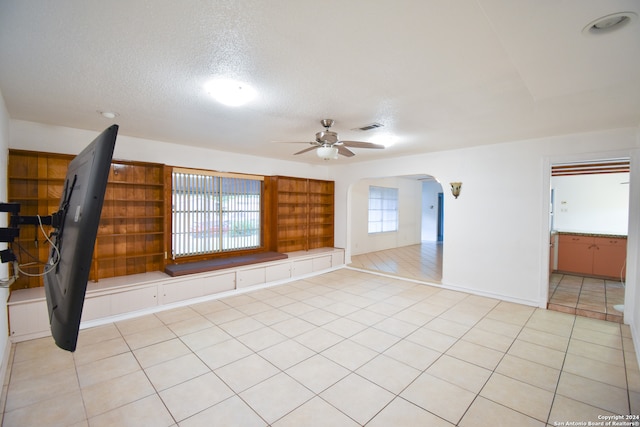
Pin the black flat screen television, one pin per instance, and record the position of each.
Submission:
(74, 235)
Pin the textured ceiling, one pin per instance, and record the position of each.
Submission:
(438, 74)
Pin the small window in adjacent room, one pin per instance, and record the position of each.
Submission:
(383, 209)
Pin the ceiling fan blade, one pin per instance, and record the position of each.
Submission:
(361, 144)
(306, 149)
(344, 151)
(294, 142)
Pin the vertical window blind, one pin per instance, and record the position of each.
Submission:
(214, 212)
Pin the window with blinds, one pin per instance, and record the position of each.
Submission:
(214, 212)
(383, 209)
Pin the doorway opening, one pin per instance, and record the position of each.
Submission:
(414, 249)
(588, 219)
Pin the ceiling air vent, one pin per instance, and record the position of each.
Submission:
(370, 126)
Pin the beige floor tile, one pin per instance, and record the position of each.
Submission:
(402, 413)
(276, 397)
(565, 409)
(271, 317)
(107, 395)
(485, 413)
(315, 413)
(161, 352)
(498, 327)
(529, 372)
(545, 339)
(221, 354)
(176, 315)
(204, 338)
(241, 326)
(139, 324)
(90, 336)
(41, 388)
(318, 373)
(598, 325)
(448, 327)
(537, 353)
(595, 370)
(318, 339)
(598, 352)
(254, 308)
(247, 372)
(148, 411)
(195, 395)
(293, 327)
(349, 354)
(388, 373)
(593, 393)
(319, 317)
(344, 327)
(47, 362)
(100, 350)
(412, 354)
(522, 397)
(484, 338)
(439, 397)
(231, 412)
(150, 336)
(286, 354)
(262, 338)
(413, 316)
(395, 326)
(175, 371)
(366, 317)
(297, 308)
(106, 369)
(361, 405)
(432, 339)
(473, 353)
(223, 316)
(463, 374)
(375, 339)
(61, 410)
(600, 338)
(190, 325)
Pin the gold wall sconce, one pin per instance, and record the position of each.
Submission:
(455, 189)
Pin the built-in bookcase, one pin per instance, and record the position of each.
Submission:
(131, 232)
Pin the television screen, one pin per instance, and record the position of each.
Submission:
(75, 229)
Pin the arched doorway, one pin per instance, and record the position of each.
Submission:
(413, 249)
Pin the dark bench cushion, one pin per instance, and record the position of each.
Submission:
(220, 263)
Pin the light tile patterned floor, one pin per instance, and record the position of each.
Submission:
(420, 262)
(586, 296)
(346, 348)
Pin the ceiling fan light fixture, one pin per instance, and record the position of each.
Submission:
(230, 92)
(327, 152)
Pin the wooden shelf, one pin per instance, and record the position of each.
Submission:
(303, 213)
(131, 235)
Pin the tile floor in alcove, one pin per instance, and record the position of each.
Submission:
(345, 348)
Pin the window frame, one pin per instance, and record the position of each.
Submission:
(383, 219)
(221, 232)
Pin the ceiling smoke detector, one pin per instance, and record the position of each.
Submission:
(609, 23)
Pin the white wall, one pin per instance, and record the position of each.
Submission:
(57, 139)
(4, 271)
(409, 211)
(430, 190)
(496, 232)
(592, 203)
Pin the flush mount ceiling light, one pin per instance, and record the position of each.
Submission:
(108, 114)
(609, 23)
(230, 92)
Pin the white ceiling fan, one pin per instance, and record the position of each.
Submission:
(328, 145)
